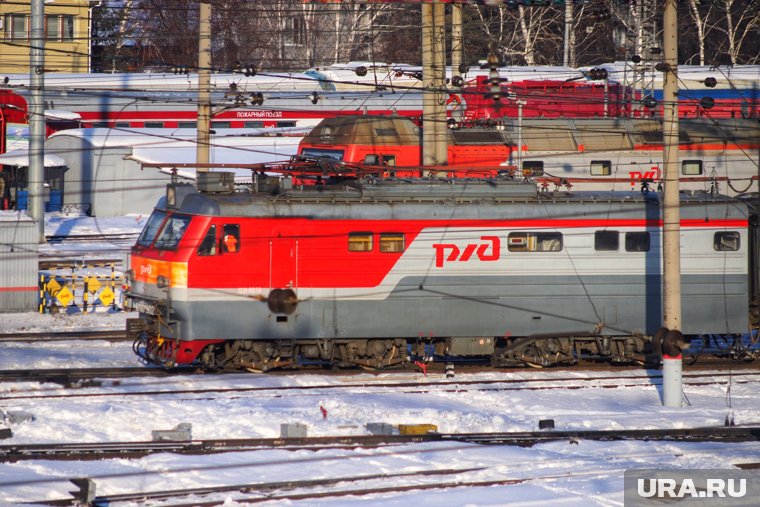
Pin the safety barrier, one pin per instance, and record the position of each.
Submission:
(74, 292)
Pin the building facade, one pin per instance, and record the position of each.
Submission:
(67, 36)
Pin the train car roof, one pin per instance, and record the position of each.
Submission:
(449, 199)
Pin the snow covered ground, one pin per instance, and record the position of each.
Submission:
(574, 473)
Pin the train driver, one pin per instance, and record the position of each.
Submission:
(231, 238)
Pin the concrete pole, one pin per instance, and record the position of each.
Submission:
(457, 40)
(36, 181)
(439, 64)
(568, 31)
(671, 249)
(204, 87)
(428, 97)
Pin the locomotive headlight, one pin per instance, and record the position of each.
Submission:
(162, 282)
(171, 196)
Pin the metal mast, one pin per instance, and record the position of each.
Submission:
(36, 208)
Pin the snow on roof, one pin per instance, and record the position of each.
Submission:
(20, 158)
(60, 114)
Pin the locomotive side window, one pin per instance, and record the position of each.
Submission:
(607, 241)
(231, 238)
(372, 159)
(532, 168)
(601, 168)
(534, 242)
(636, 241)
(391, 242)
(691, 167)
(389, 159)
(172, 231)
(208, 245)
(726, 241)
(360, 242)
(151, 228)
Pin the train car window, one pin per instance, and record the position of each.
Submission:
(172, 231)
(534, 242)
(220, 124)
(391, 242)
(372, 160)
(360, 242)
(726, 241)
(231, 238)
(154, 124)
(636, 241)
(608, 241)
(151, 228)
(122, 125)
(286, 124)
(187, 124)
(601, 168)
(208, 245)
(691, 167)
(253, 124)
(532, 168)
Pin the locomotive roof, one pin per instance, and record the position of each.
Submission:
(450, 199)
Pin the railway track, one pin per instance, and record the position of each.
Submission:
(115, 335)
(98, 451)
(119, 238)
(89, 378)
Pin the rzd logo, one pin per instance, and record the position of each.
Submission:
(449, 252)
(638, 176)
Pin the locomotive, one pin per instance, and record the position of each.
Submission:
(375, 272)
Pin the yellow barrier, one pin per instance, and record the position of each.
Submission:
(80, 291)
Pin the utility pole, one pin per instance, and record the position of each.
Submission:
(36, 204)
(204, 88)
(439, 67)
(671, 245)
(428, 98)
(568, 31)
(457, 41)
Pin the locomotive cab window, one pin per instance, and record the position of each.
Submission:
(606, 241)
(726, 241)
(534, 242)
(391, 242)
(691, 167)
(636, 241)
(601, 168)
(360, 242)
(532, 168)
(231, 238)
(208, 245)
(372, 160)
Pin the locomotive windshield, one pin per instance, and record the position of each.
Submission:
(172, 232)
(151, 228)
(165, 231)
(324, 153)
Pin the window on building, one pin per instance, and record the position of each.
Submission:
(726, 241)
(691, 167)
(531, 168)
(601, 168)
(606, 241)
(534, 242)
(360, 242)
(636, 241)
(16, 26)
(391, 242)
(59, 27)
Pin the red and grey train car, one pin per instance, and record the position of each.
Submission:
(376, 273)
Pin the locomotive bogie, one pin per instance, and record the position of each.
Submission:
(375, 278)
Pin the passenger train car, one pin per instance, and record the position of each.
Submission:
(149, 100)
(377, 272)
(581, 153)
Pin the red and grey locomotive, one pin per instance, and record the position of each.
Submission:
(377, 272)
